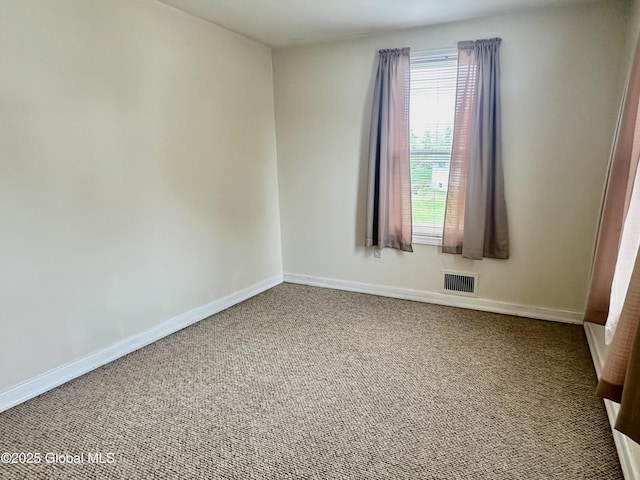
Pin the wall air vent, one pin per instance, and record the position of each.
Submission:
(458, 283)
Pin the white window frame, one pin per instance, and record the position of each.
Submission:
(427, 235)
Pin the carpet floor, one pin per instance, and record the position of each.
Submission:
(308, 383)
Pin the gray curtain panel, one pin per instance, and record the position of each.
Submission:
(620, 377)
(622, 171)
(476, 213)
(389, 186)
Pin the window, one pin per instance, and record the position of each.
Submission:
(432, 109)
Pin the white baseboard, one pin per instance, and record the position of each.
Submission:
(494, 306)
(629, 460)
(63, 374)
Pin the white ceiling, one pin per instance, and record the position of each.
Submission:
(280, 23)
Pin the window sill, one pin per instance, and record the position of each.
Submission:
(423, 240)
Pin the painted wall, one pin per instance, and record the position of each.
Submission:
(137, 174)
(562, 77)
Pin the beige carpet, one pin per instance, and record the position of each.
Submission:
(307, 383)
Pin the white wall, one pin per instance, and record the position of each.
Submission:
(562, 77)
(137, 174)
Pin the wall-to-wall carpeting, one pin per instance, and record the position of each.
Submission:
(309, 383)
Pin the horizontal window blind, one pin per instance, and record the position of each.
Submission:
(432, 108)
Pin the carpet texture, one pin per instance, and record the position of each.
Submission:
(309, 383)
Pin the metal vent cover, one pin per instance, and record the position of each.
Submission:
(460, 283)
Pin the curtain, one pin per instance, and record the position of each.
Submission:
(475, 223)
(621, 286)
(620, 377)
(624, 163)
(614, 295)
(389, 182)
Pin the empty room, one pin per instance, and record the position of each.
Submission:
(287, 239)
